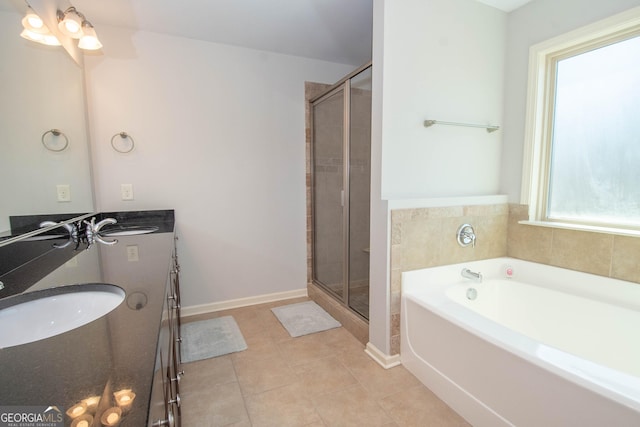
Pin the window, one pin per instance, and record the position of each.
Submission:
(582, 160)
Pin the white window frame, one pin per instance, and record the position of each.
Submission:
(540, 105)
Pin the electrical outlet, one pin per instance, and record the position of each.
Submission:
(132, 253)
(127, 191)
(64, 193)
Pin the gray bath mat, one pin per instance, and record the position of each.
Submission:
(210, 338)
(304, 318)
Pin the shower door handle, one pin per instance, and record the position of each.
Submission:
(342, 198)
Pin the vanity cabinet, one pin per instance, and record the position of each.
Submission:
(165, 407)
(133, 348)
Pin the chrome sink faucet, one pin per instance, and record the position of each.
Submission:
(92, 231)
(468, 274)
(71, 228)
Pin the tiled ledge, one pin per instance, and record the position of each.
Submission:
(351, 322)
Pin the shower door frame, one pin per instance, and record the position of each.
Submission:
(343, 85)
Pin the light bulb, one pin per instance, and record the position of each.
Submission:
(33, 22)
(51, 40)
(72, 26)
(89, 40)
(31, 35)
(47, 39)
(70, 23)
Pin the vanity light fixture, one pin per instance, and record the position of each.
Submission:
(35, 30)
(74, 24)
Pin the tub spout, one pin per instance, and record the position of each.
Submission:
(476, 277)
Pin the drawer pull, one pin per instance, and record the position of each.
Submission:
(176, 401)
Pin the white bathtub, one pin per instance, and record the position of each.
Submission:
(543, 346)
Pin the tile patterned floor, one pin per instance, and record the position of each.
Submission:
(323, 379)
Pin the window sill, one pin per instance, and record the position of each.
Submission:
(582, 227)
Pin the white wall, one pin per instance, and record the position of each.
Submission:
(219, 134)
(432, 59)
(533, 23)
(443, 60)
(379, 321)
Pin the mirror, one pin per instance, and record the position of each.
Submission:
(42, 92)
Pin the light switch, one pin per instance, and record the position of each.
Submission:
(64, 193)
(127, 191)
(132, 253)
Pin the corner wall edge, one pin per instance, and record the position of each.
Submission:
(387, 362)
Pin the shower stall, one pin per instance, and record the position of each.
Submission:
(340, 187)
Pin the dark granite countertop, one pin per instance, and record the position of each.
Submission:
(114, 352)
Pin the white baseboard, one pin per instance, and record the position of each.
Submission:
(194, 310)
(383, 360)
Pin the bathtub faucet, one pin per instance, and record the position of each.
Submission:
(466, 236)
(476, 277)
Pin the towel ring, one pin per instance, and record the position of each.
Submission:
(123, 136)
(54, 133)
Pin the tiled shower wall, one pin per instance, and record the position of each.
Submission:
(328, 169)
(360, 186)
(425, 237)
(311, 90)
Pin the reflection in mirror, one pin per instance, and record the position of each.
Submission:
(41, 107)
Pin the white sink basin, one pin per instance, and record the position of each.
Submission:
(34, 316)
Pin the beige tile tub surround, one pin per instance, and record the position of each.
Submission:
(426, 237)
(603, 254)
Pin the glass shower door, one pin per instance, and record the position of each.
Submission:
(340, 184)
(328, 193)
(359, 190)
